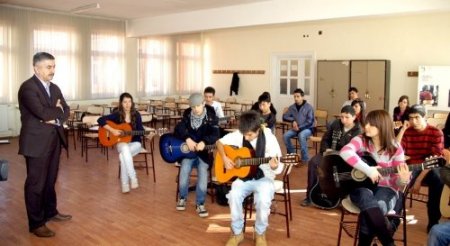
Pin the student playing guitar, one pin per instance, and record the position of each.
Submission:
(126, 113)
(379, 141)
(260, 182)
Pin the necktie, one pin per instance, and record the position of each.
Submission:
(47, 88)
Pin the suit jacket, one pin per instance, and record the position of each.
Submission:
(36, 107)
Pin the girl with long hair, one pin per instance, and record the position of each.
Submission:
(378, 141)
(126, 114)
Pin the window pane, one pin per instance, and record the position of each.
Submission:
(61, 44)
(283, 86)
(307, 86)
(283, 68)
(307, 67)
(293, 85)
(294, 68)
(107, 63)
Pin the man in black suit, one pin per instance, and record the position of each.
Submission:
(42, 112)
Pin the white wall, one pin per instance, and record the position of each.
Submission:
(407, 41)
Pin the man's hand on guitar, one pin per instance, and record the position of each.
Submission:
(200, 146)
(273, 163)
(191, 144)
(227, 162)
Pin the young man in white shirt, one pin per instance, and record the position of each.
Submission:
(208, 95)
(260, 139)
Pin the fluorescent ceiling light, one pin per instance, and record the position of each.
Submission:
(85, 8)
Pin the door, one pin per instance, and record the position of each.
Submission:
(289, 72)
(333, 79)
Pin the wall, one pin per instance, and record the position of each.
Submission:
(407, 41)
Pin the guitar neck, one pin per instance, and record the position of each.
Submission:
(137, 132)
(388, 170)
(253, 161)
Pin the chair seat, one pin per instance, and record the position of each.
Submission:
(91, 135)
(315, 139)
(350, 206)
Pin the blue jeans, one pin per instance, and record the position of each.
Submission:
(202, 178)
(439, 235)
(263, 191)
(383, 197)
(302, 138)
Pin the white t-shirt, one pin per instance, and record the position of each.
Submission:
(272, 149)
(218, 108)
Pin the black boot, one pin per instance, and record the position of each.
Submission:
(376, 220)
(364, 239)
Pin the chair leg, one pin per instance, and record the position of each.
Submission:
(152, 148)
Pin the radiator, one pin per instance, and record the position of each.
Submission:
(4, 118)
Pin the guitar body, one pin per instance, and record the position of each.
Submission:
(336, 188)
(445, 202)
(107, 139)
(224, 175)
(173, 149)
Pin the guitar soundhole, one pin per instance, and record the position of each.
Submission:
(358, 175)
(184, 148)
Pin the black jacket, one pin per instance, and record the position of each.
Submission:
(208, 132)
(336, 132)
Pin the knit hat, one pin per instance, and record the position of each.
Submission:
(417, 109)
(195, 99)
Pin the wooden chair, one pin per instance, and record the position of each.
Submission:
(282, 194)
(89, 135)
(350, 218)
(321, 117)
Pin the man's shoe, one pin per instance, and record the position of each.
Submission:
(43, 231)
(201, 210)
(260, 240)
(306, 203)
(61, 217)
(235, 240)
(181, 204)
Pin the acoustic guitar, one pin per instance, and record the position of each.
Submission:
(107, 139)
(244, 163)
(173, 149)
(337, 178)
(445, 202)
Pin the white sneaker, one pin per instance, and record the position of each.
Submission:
(125, 188)
(201, 210)
(134, 184)
(181, 204)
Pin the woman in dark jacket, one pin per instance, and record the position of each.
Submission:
(126, 113)
(400, 113)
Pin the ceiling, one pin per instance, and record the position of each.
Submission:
(127, 9)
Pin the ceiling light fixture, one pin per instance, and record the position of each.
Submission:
(85, 8)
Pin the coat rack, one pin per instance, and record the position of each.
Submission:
(238, 71)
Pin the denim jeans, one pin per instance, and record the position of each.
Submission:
(383, 197)
(439, 235)
(302, 138)
(126, 153)
(202, 178)
(263, 191)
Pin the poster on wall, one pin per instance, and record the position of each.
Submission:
(434, 87)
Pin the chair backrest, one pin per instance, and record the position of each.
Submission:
(90, 119)
(321, 116)
(96, 110)
(440, 115)
(74, 106)
(170, 99)
(146, 117)
(437, 122)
